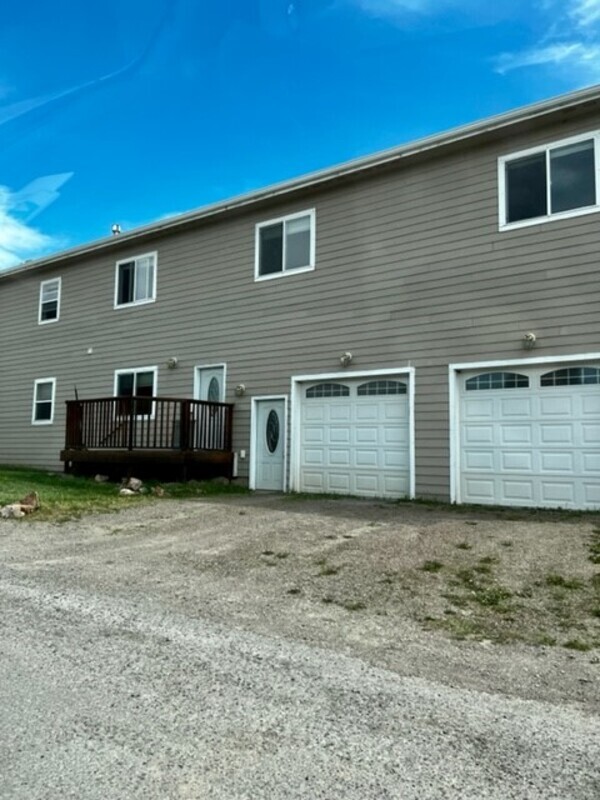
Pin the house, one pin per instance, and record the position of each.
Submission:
(421, 322)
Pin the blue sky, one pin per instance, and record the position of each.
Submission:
(131, 110)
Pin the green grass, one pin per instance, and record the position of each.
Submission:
(67, 497)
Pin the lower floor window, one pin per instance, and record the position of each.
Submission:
(133, 387)
(43, 401)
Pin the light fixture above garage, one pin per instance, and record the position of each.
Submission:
(529, 340)
(346, 359)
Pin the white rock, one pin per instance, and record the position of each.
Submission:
(126, 492)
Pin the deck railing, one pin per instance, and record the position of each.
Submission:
(148, 423)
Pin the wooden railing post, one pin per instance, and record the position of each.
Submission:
(185, 425)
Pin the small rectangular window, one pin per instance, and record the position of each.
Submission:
(138, 384)
(49, 307)
(285, 245)
(43, 401)
(557, 180)
(136, 281)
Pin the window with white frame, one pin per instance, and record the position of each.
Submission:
(49, 308)
(285, 245)
(136, 281)
(43, 401)
(557, 180)
(133, 386)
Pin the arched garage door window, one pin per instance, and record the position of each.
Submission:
(327, 390)
(381, 387)
(497, 380)
(571, 376)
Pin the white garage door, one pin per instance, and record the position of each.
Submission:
(531, 437)
(354, 438)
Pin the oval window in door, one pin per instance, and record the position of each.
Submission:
(272, 431)
(214, 391)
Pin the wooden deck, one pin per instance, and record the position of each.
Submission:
(153, 436)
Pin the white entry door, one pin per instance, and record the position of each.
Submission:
(269, 444)
(210, 383)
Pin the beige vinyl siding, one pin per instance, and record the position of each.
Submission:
(411, 270)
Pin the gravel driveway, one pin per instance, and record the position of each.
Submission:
(189, 650)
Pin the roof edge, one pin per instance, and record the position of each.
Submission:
(319, 177)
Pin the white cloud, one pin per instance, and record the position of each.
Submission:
(585, 12)
(18, 239)
(575, 54)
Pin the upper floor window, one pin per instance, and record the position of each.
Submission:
(49, 308)
(559, 180)
(136, 281)
(43, 401)
(285, 245)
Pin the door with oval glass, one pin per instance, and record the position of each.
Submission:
(269, 444)
(210, 383)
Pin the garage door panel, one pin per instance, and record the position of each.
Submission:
(339, 458)
(519, 490)
(478, 434)
(552, 434)
(313, 456)
(556, 406)
(591, 462)
(338, 482)
(480, 491)
(364, 435)
(338, 435)
(591, 434)
(541, 446)
(591, 492)
(515, 460)
(338, 412)
(590, 405)
(314, 435)
(516, 407)
(515, 434)
(558, 492)
(479, 459)
(557, 462)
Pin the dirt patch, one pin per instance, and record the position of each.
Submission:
(469, 597)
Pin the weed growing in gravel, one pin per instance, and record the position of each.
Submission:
(464, 546)
(595, 546)
(432, 566)
(281, 555)
(268, 553)
(553, 579)
(577, 644)
(293, 590)
(353, 605)
(329, 569)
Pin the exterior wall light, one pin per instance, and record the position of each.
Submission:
(529, 340)
(172, 362)
(240, 390)
(346, 359)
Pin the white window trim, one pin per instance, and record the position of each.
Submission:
(254, 432)
(297, 382)
(135, 371)
(42, 284)
(454, 375)
(311, 212)
(546, 148)
(36, 383)
(154, 256)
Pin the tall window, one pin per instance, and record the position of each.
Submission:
(43, 401)
(136, 281)
(285, 245)
(49, 308)
(555, 180)
(138, 384)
